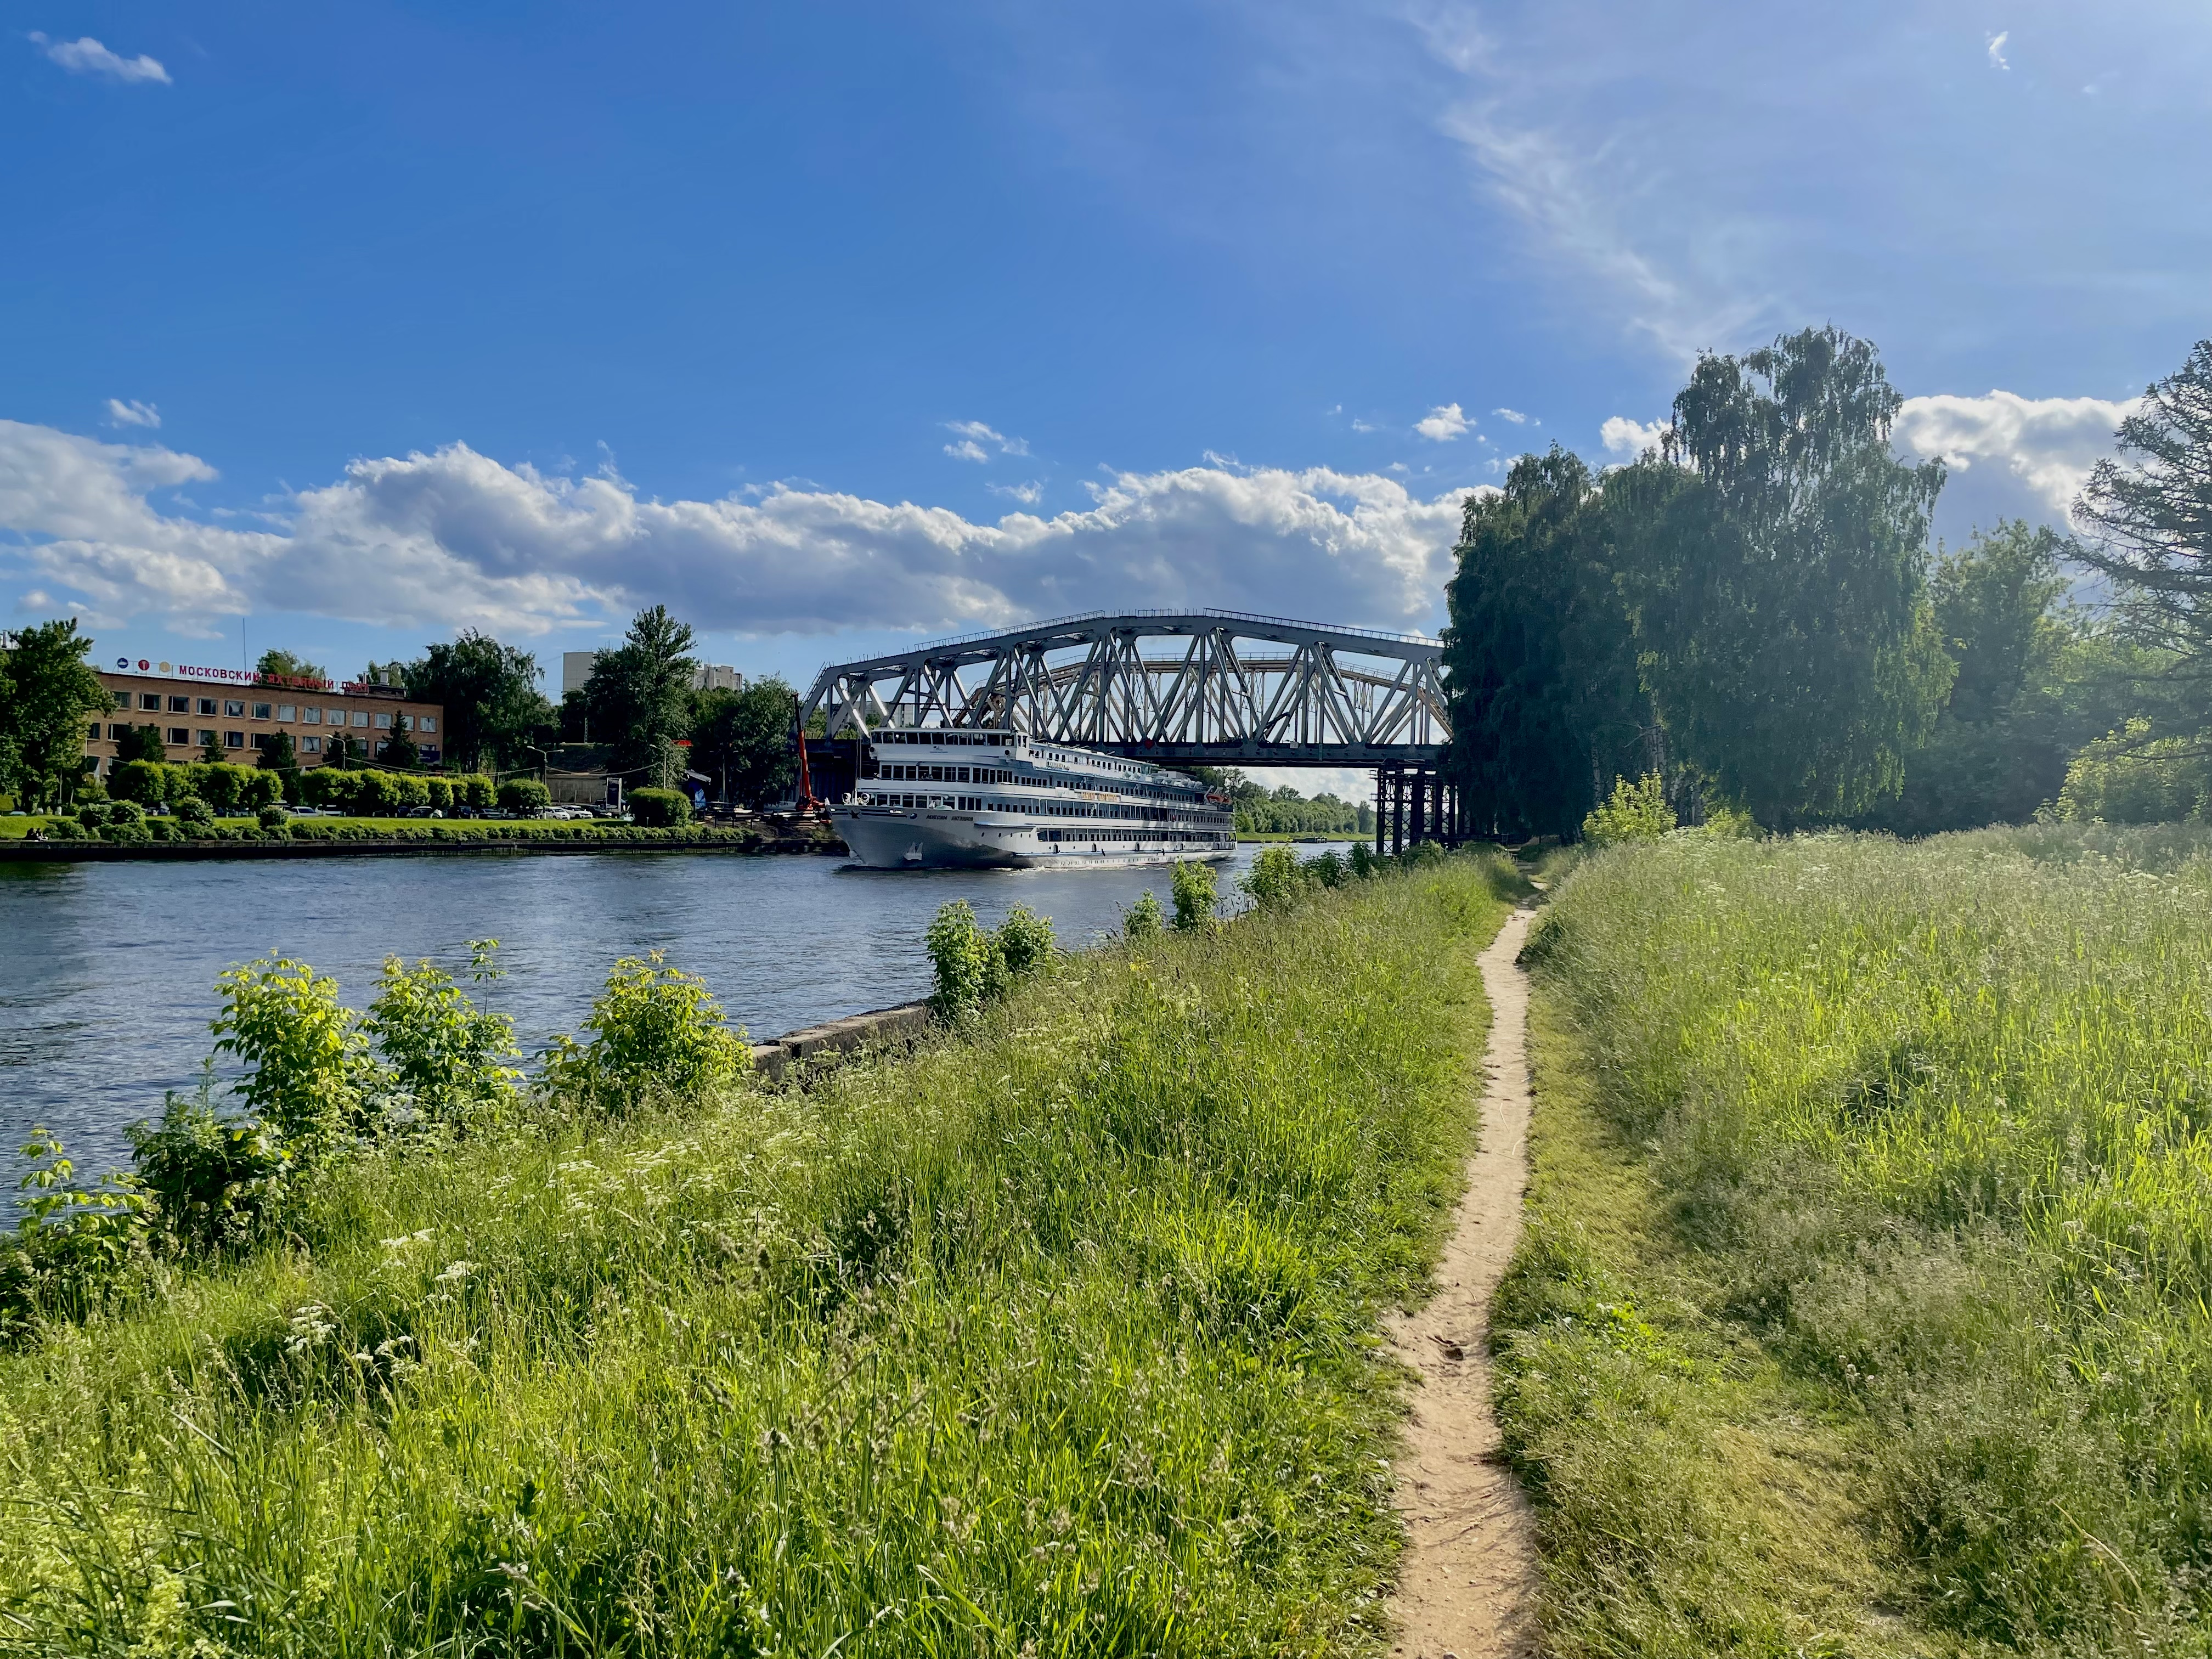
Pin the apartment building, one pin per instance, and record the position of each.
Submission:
(241, 713)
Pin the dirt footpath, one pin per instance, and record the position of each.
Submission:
(1467, 1586)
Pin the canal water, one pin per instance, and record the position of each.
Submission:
(108, 970)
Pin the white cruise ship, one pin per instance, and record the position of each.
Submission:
(934, 798)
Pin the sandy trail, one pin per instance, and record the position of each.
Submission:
(1467, 1586)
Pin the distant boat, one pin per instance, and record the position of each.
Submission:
(939, 798)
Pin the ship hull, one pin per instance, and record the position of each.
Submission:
(893, 838)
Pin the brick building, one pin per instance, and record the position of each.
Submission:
(242, 712)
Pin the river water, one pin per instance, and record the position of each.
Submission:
(108, 970)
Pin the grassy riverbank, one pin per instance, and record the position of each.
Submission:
(427, 834)
(1060, 1332)
(1863, 1306)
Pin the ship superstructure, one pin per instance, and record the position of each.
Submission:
(959, 797)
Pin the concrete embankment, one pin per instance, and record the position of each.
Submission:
(905, 1023)
(105, 852)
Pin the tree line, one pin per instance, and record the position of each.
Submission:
(1750, 612)
(638, 712)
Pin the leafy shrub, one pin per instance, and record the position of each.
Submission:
(1636, 811)
(257, 789)
(1364, 862)
(303, 1050)
(93, 813)
(145, 782)
(192, 809)
(1272, 881)
(1143, 920)
(965, 959)
(445, 1055)
(660, 808)
(1328, 869)
(217, 1182)
(441, 792)
(2126, 777)
(1024, 941)
(71, 1242)
(1194, 897)
(656, 1031)
(274, 818)
(523, 795)
(475, 791)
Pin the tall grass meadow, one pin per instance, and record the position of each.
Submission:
(1867, 1308)
(1056, 1336)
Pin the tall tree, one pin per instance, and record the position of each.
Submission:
(47, 698)
(1539, 660)
(639, 695)
(284, 665)
(489, 692)
(140, 743)
(1774, 563)
(2148, 515)
(742, 740)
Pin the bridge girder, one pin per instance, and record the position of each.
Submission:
(1240, 689)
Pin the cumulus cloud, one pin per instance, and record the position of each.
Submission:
(1512, 415)
(1029, 494)
(977, 440)
(1443, 423)
(1629, 439)
(455, 538)
(133, 413)
(88, 57)
(2012, 456)
(1996, 43)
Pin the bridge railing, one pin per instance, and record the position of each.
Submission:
(1155, 613)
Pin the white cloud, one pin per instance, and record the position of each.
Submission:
(1029, 494)
(88, 57)
(1443, 423)
(1512, 415)
(456, 539)
(974, 435)
(1363, 426)
(133, 413)
(1996, 49)
(1624, 437)
(2010, 455)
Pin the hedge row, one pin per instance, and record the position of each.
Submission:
(162, 830)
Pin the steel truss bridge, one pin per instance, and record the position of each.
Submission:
(1215, 688)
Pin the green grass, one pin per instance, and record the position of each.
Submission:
(1058, 1337)
(1864, 1303)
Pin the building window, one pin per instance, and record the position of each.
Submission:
(428, 722)
(233, 739)
(383, 722)
(233, 710)
(265, 741)
(261, 711)
(149, 700)
(285, 711)
(311, 717)
(122, 700)
(178, 735)
(360, 717)
(181, 705)
(91, 732)
(311, 745)
(207, 705)
(407, 723)
(204, 738)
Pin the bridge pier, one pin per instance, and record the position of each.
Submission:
(1414, 802)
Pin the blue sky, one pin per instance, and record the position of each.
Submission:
(832, 325)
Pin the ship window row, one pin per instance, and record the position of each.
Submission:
(902, 773)
(1127, 835)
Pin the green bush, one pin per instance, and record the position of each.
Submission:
(1025, 942)
(1143, 920)
(964, 958)
(660, 808)
(445, 1057)
(523, 795)
(217, 1182)
(1363, 863)
(657, 1034)
(190, 809)
(93, 813)
(1194, 897)
(2127, 777)
(302, 1050)
(1636, 811)
(73, 1241)
(1273, 879)
(274, 818)
(148, 782)
(441, 792)
(474, 792)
